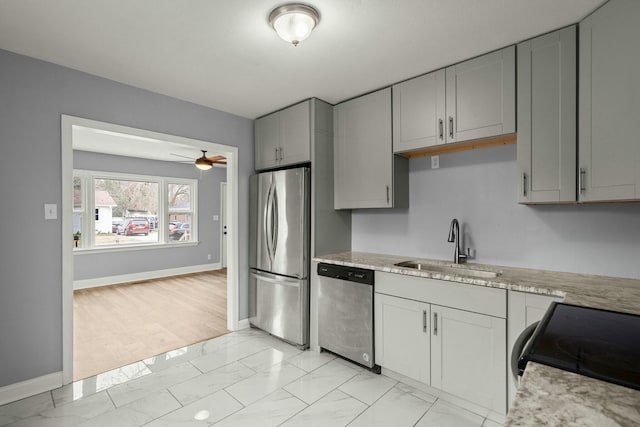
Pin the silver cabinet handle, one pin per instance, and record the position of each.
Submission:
(581, 177)
(424, 320)
(387, 194)
(524, 184)
(281, 153)
(450, 126)
(441, 128)
(435, 323)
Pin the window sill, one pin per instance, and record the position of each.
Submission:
(127, 248)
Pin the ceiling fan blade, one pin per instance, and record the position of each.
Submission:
(180, 155)
(216, 158)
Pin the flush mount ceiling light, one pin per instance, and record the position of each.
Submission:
(294, 21)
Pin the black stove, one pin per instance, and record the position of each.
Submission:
(596, 343)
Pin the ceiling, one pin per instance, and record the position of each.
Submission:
(223, 54)
(124, 144)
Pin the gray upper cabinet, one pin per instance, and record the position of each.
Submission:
(418, 112)
(267, 141)
(284, 137)
(481, 96)
(547, 118)
(365, 168)
(609, 103)
(471, 100)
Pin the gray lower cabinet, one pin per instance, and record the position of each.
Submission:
(471, 100)
(609, 103)
(403, 336)
(451, 336)
(284, 137)
(547, 117)
(367, 174)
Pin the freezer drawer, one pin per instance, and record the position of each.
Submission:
(280, 305)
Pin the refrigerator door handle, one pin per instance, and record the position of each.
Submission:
(268, 223)
(274, 278)
(276, 219)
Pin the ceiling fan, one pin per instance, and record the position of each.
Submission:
(205, 163)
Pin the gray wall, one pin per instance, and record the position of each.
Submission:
(94, 265)
(480, 189)
(33, 95)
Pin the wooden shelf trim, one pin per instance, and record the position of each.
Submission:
(462, 146)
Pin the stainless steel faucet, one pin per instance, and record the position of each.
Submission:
(454, 237)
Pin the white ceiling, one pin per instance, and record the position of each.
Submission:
(123, 144)
(224, 55)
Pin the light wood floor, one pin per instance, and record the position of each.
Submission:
(117, 325)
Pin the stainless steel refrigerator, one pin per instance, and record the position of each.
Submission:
(279, 254)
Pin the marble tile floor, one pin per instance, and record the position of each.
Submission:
(244, 378)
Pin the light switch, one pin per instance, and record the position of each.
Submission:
(50, 211)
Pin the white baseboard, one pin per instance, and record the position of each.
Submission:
(144, 275)
(17, 391)
(243, 324)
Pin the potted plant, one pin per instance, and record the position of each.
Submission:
(76, 238)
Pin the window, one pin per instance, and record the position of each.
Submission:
(78, 209)
(122, 210)
(180, 212)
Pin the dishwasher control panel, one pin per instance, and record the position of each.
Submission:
(351, 274)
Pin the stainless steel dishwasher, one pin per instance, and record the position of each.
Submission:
(345, 313)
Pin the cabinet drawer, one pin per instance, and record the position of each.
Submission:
(478, 299)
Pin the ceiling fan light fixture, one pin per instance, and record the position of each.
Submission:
(203, 163)
(294, 21)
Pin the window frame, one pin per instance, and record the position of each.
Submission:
(88, 182)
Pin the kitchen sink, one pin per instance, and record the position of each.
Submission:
(450, 269)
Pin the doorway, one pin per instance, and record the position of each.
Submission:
(223, 225)
(71, 124)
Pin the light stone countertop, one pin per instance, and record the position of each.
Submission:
(546, 396)
(552, 397)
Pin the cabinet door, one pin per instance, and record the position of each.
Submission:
(418, 112)
(468, 356)
(295, 134)
(481, 96)
(267, 141)
(609, 106)
(362, 152)
(402, 336)
(547, 118)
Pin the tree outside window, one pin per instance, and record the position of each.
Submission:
(114, 210)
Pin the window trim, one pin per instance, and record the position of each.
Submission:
(88, 178)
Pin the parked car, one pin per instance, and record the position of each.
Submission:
(115, 224)
(179, 231)
(134, 226)
(173, 226)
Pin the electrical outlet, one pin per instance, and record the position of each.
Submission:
(216, 217)
(209, 257)
(435, 162)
